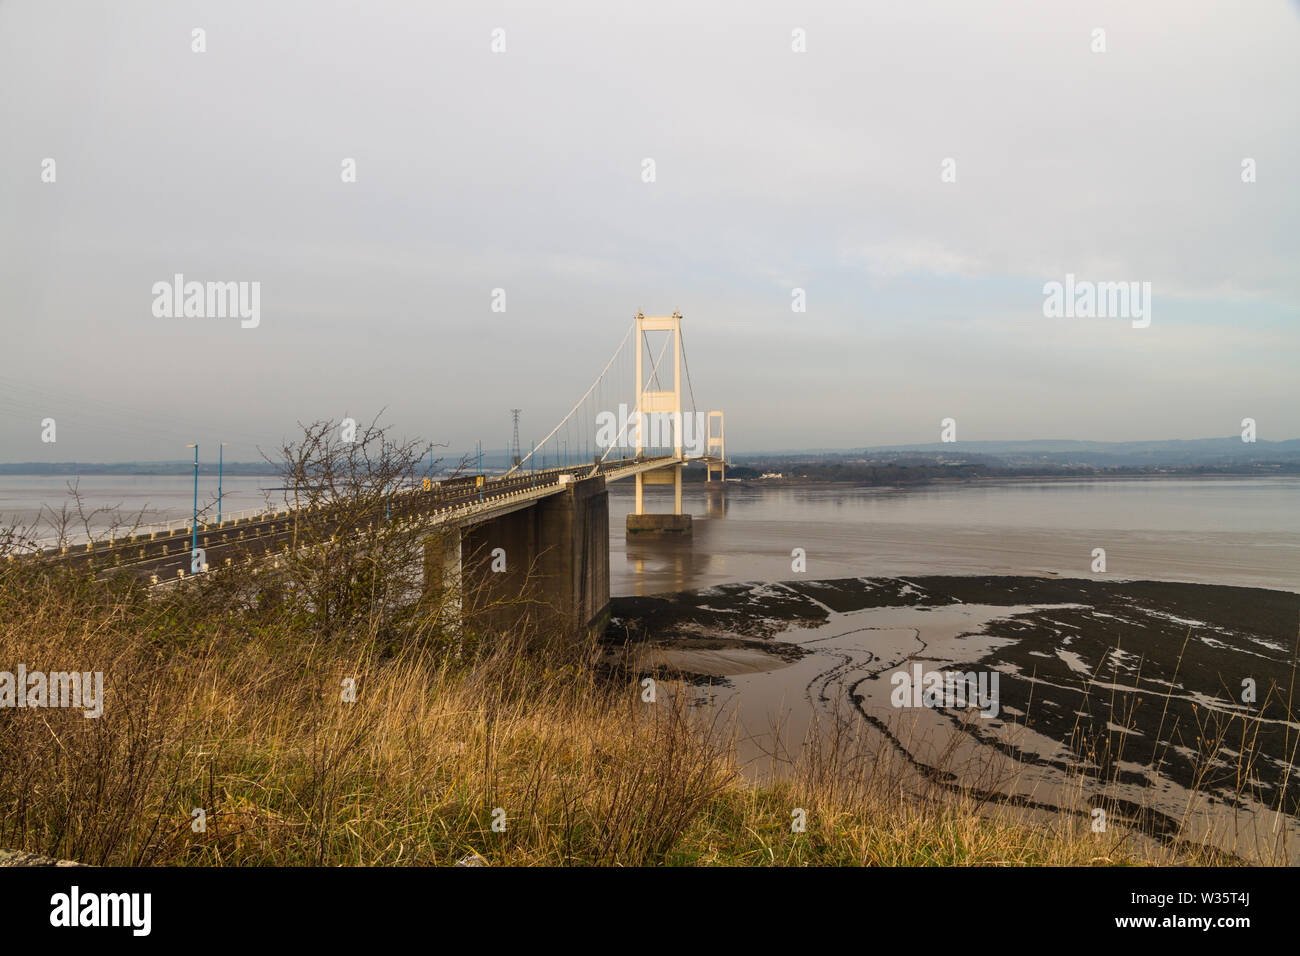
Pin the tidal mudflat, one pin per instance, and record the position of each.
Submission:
(1167, 706)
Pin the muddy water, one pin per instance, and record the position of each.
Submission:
(1082, 671)
(1107, 695)
(1243, 531)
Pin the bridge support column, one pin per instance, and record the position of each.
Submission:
(548, 562)
(671, 525)
(715, 448)
(573, 567)
(677, 488)
(443, 567)
(676, 525)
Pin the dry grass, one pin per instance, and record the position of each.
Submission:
(240, 712)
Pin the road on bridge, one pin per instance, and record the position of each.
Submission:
(166, 556)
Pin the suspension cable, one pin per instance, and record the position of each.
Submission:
(687, 366)
(623, 430)
(616, 354)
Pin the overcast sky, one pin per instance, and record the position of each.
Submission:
(523, 170)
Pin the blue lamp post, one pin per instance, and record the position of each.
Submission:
(194, 524)
(220, 455)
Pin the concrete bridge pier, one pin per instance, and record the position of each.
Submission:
(443, 567)
(660, 525)
(548, 560)
(574, 564)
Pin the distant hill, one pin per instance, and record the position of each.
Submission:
(1043, 452)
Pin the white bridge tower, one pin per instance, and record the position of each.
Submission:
(665, 404)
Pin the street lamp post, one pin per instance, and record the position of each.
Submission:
(194, 524)
(220, 454)
(480, 471)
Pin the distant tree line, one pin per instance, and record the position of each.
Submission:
(911, 472)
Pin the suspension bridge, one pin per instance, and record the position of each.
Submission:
(638, 420)
(659, 423)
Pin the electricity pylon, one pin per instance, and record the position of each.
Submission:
(514, 444)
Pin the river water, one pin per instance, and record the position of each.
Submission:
(1070, 655)
(36, 501)
(1242, 531)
